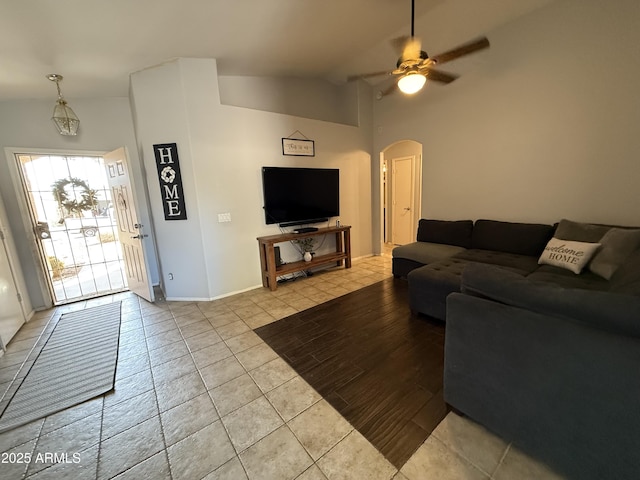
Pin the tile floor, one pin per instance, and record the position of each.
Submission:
(199, 395)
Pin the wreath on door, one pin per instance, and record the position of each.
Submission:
(68, 199)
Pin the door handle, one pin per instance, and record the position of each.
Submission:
(42, 230)
(139, 237)
(407, 209)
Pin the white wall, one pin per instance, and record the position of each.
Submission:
(105, 124)
(222, 149)
(542, 126)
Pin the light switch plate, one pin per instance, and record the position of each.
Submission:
(224, 217)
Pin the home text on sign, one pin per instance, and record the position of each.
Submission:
(168, 166)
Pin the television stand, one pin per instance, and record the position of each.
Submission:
(306, 229)
(271, 272)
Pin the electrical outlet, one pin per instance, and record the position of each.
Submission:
(224, 217)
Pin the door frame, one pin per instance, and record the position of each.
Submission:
(7, 244)
(404, 148)
(21, 201)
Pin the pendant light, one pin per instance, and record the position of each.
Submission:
(65, 119)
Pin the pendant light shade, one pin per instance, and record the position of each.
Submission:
(412, 82)
(64, 117)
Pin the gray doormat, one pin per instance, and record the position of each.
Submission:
(77, 363)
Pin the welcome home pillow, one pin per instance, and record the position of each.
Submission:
(568, 254)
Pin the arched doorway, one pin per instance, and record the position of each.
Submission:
(400, 193)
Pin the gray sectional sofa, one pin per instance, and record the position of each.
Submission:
(546, 358)
(434, 263)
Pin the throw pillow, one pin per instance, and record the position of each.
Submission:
(581, 232)
(567, 254)
(617, 245)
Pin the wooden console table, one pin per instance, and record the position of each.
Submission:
(271, 272)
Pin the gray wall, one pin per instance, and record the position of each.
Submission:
(306, 98)
(542, 126)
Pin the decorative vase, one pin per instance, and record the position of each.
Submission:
(307, 256)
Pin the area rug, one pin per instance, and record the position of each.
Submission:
(77, 363)
(374, 362)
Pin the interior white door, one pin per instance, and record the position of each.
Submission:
(402, 192)
(11, 314)
(130, 231)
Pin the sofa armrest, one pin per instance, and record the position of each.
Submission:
(426, 252)
(561, 390)
(613, 312)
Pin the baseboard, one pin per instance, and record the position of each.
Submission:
(187, 299)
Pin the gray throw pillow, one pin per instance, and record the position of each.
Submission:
(617, 245)
(580, 232)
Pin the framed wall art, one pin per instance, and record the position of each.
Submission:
(298, 147)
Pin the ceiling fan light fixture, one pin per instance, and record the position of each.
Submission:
(63, 117)
(411, 82)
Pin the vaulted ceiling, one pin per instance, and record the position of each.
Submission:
(97, 44)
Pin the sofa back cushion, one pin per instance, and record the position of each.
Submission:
(519, 238)
(626, 278)
(580, 232)
(617, 245)
(457, 232)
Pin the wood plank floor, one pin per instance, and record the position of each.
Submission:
(380, 367)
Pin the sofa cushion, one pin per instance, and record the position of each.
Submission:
(617, 245)
(518, 263)
(447, 232)
(400, 267)
(425, 252)
(519, 238)
(608, 311)
(568, 254)
(567, 279)
(580, 232)
(430, 285)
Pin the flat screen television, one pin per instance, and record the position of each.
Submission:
(295, 196)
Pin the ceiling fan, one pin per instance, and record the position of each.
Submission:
(415, 67)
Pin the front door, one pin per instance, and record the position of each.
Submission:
(130, 230)
(402, 195)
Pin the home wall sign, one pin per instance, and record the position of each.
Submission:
(168, 165)
(298, 147)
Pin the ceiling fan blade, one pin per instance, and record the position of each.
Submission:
(351, 78)
(462, 50)
(388, 91)
(438, 75)
(411, 50)
(398, 44)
